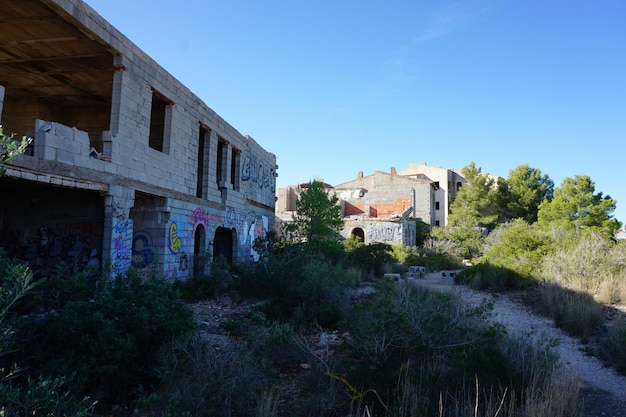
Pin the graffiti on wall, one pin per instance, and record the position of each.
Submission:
(204, 217)
(173, 238)
(249, 224)
(76, 244)
(233, 218)
(257, 230)
(177, 259)
(177, 247)
(143, 251)
(385, 234)
(256, 169)
(122, 249)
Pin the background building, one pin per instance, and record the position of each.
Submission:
(384, 207)
(127, 166)
(447, 184)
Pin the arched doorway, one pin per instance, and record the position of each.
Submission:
(223, 244)
(359, 233)
(199, 251)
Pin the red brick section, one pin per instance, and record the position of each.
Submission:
(382, 210)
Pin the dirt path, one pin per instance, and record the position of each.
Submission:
(604, 391)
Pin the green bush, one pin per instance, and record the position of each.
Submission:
(370, 258)
(402, 327)
(207, 286)
(42, 397)
(21, 394)
(108, 337)
(301, 289)
(484, 275)
(201, 380)
(518, 247)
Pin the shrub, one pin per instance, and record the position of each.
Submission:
(301, 290)
(42, 397)
(21, 394)
(207, 286)
(518, 247)
(614, 349)
(441, 253)
(402, 327)
(371, 258)
(574, 311)
(486, 276)
(585, 264)
(110, 339)
(202, 380)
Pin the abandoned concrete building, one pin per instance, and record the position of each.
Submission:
(447, 184)
(385, 207)
(127, 167)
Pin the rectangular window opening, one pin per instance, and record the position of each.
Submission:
(221, 168)
(203, 149)
(160, 113)
(234, 168)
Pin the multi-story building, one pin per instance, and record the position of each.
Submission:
(127, 166)
(447, 183)
(381, 207)
(385, 207)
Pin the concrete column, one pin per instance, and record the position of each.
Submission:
(117, 243)
(1, 101)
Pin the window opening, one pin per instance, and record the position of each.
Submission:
(220, 170)
(160, 112)
(234, 168)
(203, 148)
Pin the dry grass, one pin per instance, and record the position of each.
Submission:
(575, 311)
(550, 394)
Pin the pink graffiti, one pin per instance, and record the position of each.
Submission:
(202, 216)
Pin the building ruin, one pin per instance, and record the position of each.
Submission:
(127, 167)
(386, 207)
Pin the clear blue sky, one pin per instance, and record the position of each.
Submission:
(334, 87)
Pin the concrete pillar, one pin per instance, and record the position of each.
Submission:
(117, 243)
(1, 101)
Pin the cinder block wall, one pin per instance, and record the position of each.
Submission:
(151, 191)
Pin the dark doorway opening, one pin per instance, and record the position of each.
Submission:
(199, 251)
(223, 244)
(359, 233)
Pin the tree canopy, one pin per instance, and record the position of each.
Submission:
(475, 205)
(521, 193)
(317, 218)
(576, 205)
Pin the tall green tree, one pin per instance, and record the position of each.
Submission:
(521, 193)
(476, 203)
(577, 206)
(317, 218)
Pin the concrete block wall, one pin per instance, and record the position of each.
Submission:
(447, 179)
(375, 231)
(131, 173)
(177, 169)
(383, 195)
